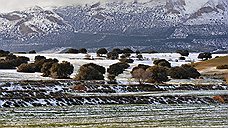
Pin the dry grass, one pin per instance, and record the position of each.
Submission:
(226, 78)
(211, 63)
(208, 68)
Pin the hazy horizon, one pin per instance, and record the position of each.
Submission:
(11, 5)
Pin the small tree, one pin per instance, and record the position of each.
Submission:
(20, 60)
(102, 51)
(62, 70)
(101, 69)
(183, 52)
(178, 73)
(27, 68)
(112, 79)
(16, 60)
(39, 63)
(4, 64)
(127, 55)
(72, 51)
(205, 56)
(116, 69)
(127, 50)
(83, 50)
(137, 52)
(38, 58)
(156, 74)
(117, 50)
(151, 51)
(4, 53)
(112, 55)
(140, 57)
(46, 69)
(143, 66)
(183, 72)
(90, 72)
(32, 52)
(182, 58)
(138, 73)
(192, 72)
(162, 62)
(127, 60)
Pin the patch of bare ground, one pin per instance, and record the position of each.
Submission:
(208, 67)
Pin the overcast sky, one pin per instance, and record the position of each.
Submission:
(10, 5)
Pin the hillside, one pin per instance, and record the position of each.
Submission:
(164, 25)
(209, 67)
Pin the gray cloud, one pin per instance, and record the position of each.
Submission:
(10, 5)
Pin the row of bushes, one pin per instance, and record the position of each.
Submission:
(102, 51)
(160, 72)
(11, 61)
(49, 68)
(143, 73)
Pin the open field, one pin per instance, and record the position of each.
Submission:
(119, 116)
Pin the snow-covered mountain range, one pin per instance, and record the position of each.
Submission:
(163, 25)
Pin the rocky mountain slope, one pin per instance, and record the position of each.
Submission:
(163, 25)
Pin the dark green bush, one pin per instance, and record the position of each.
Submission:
(61, 70)
(183, 72)
(127, 50)
(4, 64)
(156, 74)
(183, 52)
(162, 62)
(46, 69)
(205, 56)
(4, 53)
(27, 68)
(72, 51)
(225, 66)
(32, 52)
(113, 55)
(83, 50)
(126, 60)
(117, 50)
(90, 72)
(38, 58)
(102, 51)
(101, 69)
(117, 68)
(182, 58)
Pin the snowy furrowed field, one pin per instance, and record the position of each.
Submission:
(117, 116)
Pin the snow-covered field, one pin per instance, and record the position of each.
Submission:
(77, 60)
(118, 116)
